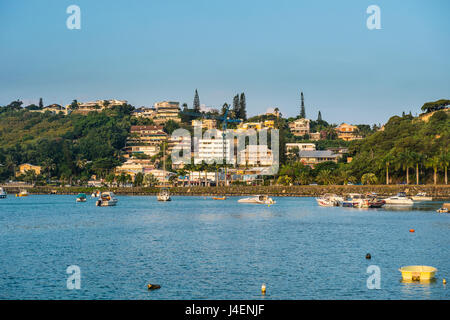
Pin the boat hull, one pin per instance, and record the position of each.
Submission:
(418, 273)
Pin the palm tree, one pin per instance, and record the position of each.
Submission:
(150, 180)
(417, 158)
(444, 158)
(386, 161)
(433, 162)
(325, 177)
(407, 161)
(48, 165)
(369, 178)
(303, 178)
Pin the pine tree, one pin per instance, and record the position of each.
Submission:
(319, 117)
(236, 107)
(224, 107)
(196, 102)
(302, 108)
(242, 107)
(41, 103)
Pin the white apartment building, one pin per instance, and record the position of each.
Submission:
(256, 155)
(210, 150)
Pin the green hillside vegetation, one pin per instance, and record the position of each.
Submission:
(70, 148)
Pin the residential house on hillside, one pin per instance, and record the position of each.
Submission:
(98, 105)
(143, 112)
(53, 108)
(300, 146)
(23, 168)
(299, 127)
(145, 140)
(347, 132)
(165, 111)
(311, 158)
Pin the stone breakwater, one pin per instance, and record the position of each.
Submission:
(438, 191)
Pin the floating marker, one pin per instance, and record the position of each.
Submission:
(444, 281)
(263, 288)
(412, 230)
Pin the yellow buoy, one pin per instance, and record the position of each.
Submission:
(263, 288)
(444, 281)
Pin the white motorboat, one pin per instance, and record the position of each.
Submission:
(106, 199)
(353, 200)
(399, 200)
(421, 196)
(329, 200)
(259, 199)
(2, 193)
(164, 195)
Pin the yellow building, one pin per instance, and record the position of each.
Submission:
(299, 127)
(23, 168)
(205, 123)
(270, 124)
(347, 132)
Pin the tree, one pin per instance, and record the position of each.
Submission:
(196, 104)
(110, 178)
(236, 107)
(417, 159)
(444, 160)
(433, 162)
(41, 103)
(407, 161)
(242, 107)
(385, 162)
(369, 178)
(302, 106)
(138, 179)
(74, 105)
(319, 117)
(325, 177)
(150, 180)
(435, 106)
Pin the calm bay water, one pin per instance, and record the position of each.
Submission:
(198, 248)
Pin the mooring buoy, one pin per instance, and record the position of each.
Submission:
(153, 286)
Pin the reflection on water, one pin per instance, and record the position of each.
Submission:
(300, 250)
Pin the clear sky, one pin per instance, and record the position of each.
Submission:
(147, 51)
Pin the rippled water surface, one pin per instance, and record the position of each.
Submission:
(198, 248)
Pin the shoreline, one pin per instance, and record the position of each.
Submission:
(436, 191)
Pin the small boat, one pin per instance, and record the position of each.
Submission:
(421, 196)
(219, 198)
(106, 199)
(371, 201)
(2, 193)
(22, 193)
(417, 273)
(81, 197)
(164, 195)
(95, 194)
(329, 200)
(399, 200)
(442, 210)
(259, 199)
(355, 200)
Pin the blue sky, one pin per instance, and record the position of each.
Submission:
(147, 51)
